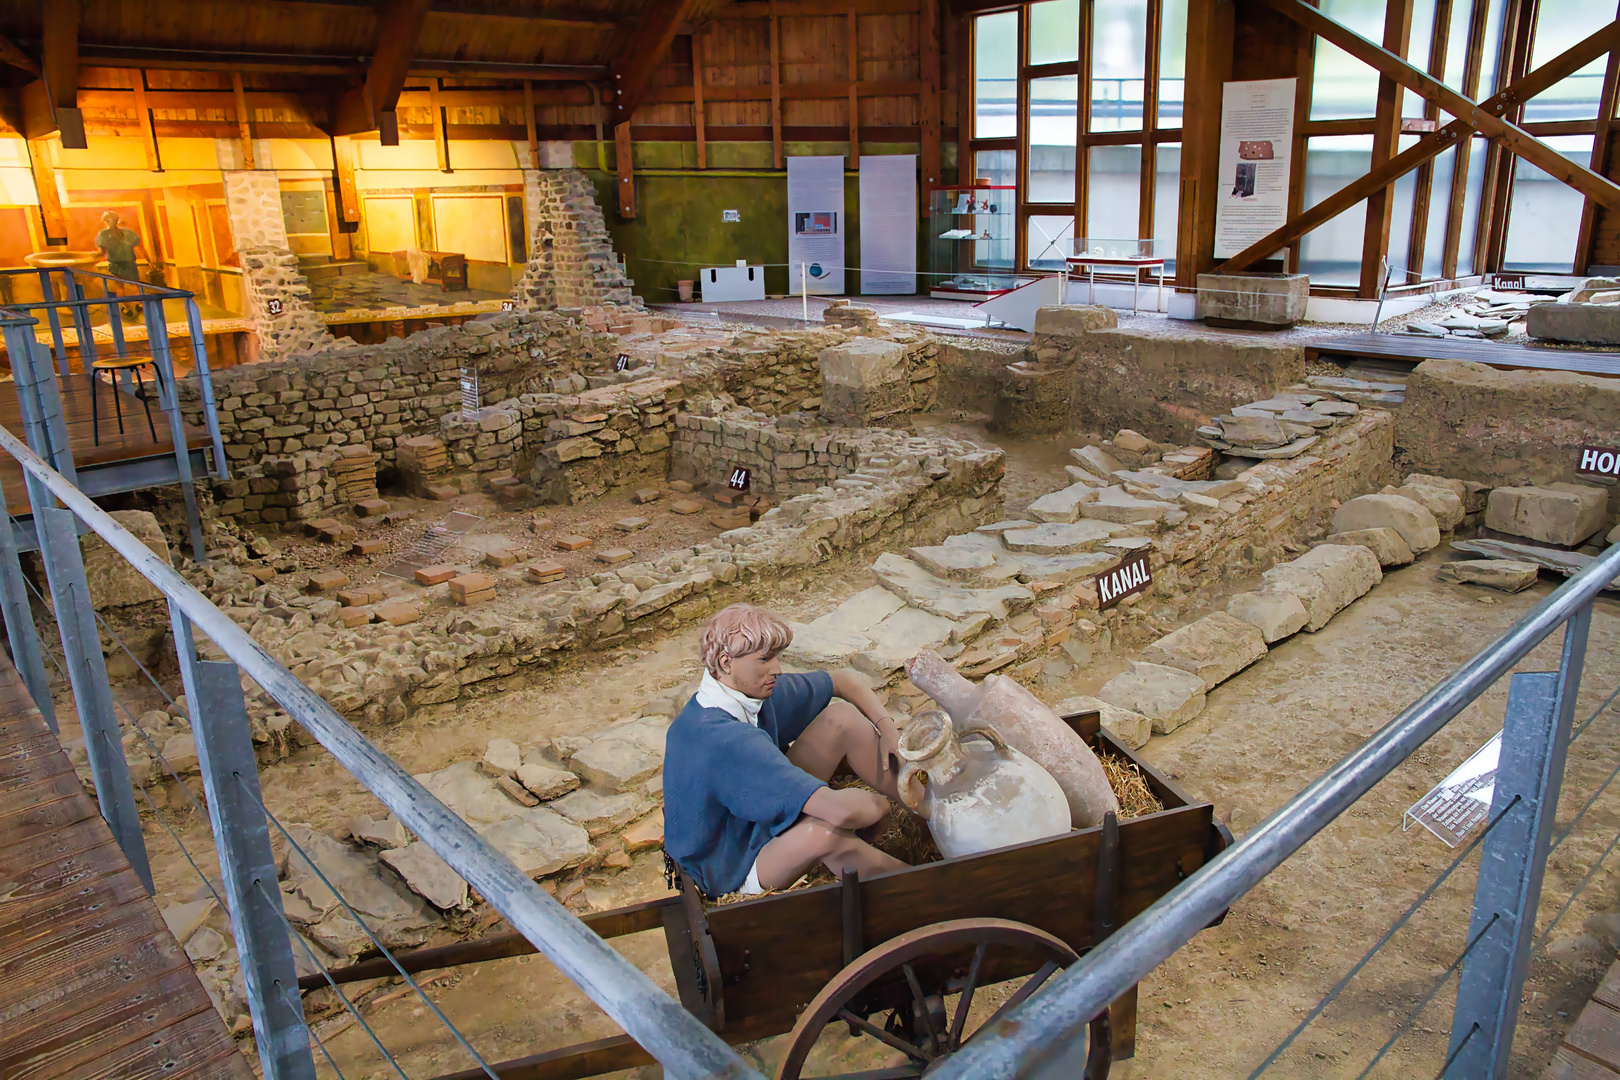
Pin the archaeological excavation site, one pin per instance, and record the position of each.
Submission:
(637, 540)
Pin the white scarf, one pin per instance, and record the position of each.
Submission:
(714, 694)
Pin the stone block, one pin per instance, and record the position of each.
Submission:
(615, 555)
(1445, 504)
(398, 613)
(1563, 514)
(501, 758)
(1275, 615)
(1412, 520)
(352, 617)
(616, 763)
(1115, 505)
(1097, 462)
(864, 379)
(1214, 648)
(642, 496)
(516, 791)
(368, 547)
(1385, 543)
(598, 814)
(327, 580)
(441, 492)
(1327, 579)
(646, 834)
(1167, 696)
(1506, 574)
(1064, 505)
(371, 507)
(429, 876)
(501, 557)
(547, 571)
(1062, 539)
(819, 648)
(472, 588)
(572, 542)
(539, 841)
(630, 524)
(1073, 320)
(1586, 324)
(1265, 300)
(1131, 728)
(434, 575)
(546, 782)
(686, 507)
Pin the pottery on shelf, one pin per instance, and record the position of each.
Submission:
(974, 791)
(1027, 724)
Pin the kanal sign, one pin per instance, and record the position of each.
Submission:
(1599, 461)
(1130, 577)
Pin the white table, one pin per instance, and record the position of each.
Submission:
(1091, 262)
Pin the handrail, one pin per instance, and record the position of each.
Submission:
(1035, 1034)
(674, 1036)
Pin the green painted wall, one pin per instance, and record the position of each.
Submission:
(678, 228)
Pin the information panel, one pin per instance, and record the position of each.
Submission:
(816, 224)
(1257, 138)
(888, 223)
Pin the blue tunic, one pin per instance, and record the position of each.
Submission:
(729, 787)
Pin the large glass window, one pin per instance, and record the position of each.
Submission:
(1051, 239)
(995, 76)
(1054, 32)
(1545, 214)
(1331, 252)
(1116, 192)
(1343, 86)
(1434, 240)
(1173, 63)
(1167, 203)
(1118, 61)
(1561, 24)
(1053, 131)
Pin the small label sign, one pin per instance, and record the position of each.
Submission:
(508, 305)
(1599, 461)
(1130, 577)
(274, 307)
(738, 480)
(622, 363)
(730, 215)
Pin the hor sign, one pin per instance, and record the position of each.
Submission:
(1600, 461)
(1130, 577)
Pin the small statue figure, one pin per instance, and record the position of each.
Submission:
(119, 244)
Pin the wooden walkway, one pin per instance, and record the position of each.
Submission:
(1591, 1049)
(92, 984)
(111, 447)
(1410, 348)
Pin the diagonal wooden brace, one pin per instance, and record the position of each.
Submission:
(1430, 146)
(1514, 138)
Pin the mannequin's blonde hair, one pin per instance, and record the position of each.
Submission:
(739, 630)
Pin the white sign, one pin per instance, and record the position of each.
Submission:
(1257, 138)
(816, 224)
(470, 402)
(274, 307)
(731, 215)
(738, 480)
(888, 223)
(1460, 801)
(1599, 461)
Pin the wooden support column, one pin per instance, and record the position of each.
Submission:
(776, 88)
(441, 141)
(854, 39)
(60, 69)
(1490, 245)
(154, 161)
(348, 196)
(1209, 66)
(11, 54)
(244, 125)
(1602, 155)
(964, 99)
(1150, 114)
(1423, 182)
(928, 29)
(51, 214)
(1082, 125)
(399, 27)
(529, 125)
(1386, 143)
(699, 120)
(1304, 72)
(624, 185)
(1473, 59)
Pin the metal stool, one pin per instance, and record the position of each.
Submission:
(113, 365)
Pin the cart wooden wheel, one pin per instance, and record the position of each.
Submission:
(910, 977)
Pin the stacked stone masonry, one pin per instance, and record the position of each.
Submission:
(571, 259)
(275, 290)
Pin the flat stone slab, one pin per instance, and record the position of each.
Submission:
(1131, 728)
(860, 612)
(1114, 504)
(1062, 539)
(1412, 520)
(546, 782)
(1064, 569)
(1564, 514)
(1385, 543)
(429, 876)
(819, 647)
(542, 841)
(1291, 450)
(1167, 696)
(1214, 648)
(596, 813)
(956, 563)
(470, 793)
(1327, 579)
(1506, 574)
(1063, 505)
(616, 762)
(1096, 461)
(1568, 563)
(947, 599)
(900, 637)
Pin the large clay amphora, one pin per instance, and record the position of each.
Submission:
(976, 792)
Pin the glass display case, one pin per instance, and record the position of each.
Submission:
(1092, 253)
(973, 248)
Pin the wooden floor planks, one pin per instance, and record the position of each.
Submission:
(1413, 349)
(92, 984)
(1591, 1049)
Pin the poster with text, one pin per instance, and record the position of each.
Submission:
(1257, 138)
(816, 224)
(888, 223)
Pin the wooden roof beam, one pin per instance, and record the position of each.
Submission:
(1554, 71)
(399, 27)
(1488, 122)
(632, 71)
(11, 54)
(60, 70)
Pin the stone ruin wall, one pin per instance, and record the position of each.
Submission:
(270, 270)
(571, 258)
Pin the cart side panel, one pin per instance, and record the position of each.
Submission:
(777, 953)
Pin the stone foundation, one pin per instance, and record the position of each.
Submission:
(785, 456)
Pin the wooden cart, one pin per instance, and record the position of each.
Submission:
(883, 957)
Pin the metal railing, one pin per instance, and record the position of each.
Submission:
(238, 815)
(1536, 735)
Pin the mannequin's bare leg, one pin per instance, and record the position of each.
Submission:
(842, 733)
(812, 840)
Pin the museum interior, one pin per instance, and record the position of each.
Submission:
(1172, 442)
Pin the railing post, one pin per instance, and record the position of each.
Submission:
(1535, 742)
(87, 671)
(20, 632)
(205, 388)
(157, 336)
(247, 867)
